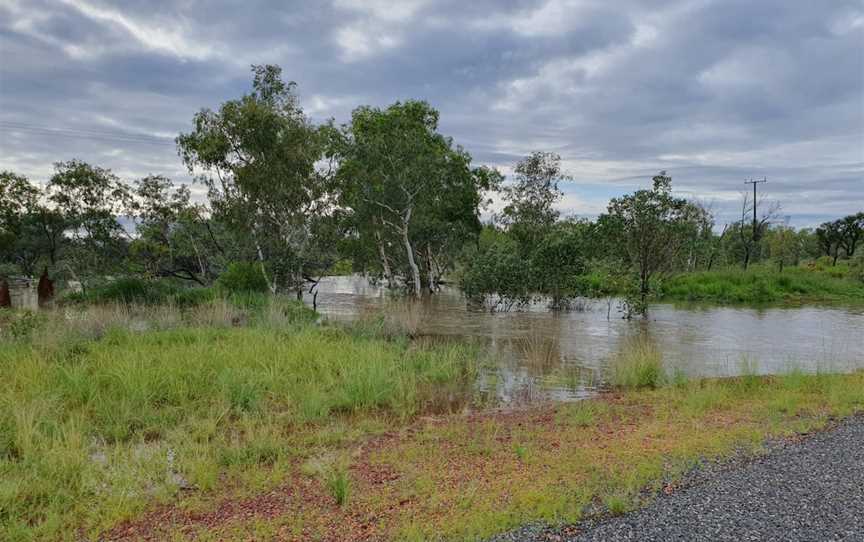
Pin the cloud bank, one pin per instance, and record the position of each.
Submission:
(714, 92)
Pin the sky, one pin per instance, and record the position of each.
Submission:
(713, 92)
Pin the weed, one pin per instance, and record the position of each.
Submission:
(520, 450)
(339, 484)
(615, 504)
(584, 413)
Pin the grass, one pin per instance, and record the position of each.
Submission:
(638, 365)
(258, 424)
(765, 284)
(107, 409)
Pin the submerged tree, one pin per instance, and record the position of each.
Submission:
(651, 227)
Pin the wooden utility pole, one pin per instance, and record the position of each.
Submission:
(754, 183)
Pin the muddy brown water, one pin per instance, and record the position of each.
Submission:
(541, 355)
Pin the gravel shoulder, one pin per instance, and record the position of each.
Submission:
(810, 489)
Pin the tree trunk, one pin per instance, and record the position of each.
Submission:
(415, 271)
(270, 285)
(434, 272)
(385, 263)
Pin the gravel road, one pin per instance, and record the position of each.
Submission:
(809, 490)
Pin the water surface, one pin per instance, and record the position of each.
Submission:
(544, 355)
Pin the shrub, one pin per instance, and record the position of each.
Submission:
(856, 268)
(243, 277)
(138, 291)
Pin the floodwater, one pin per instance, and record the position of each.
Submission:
(541, 355)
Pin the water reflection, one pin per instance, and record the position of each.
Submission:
(542, 355)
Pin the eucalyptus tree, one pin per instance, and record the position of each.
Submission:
(530, 199)
(651, 227)
(174, 237)
(259, 158)
(90, 201)
(405, 182)
(19, 199)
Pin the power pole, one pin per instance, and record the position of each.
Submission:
(754, 183)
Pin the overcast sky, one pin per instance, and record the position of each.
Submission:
(712, 91)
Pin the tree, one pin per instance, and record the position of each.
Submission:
(830, 239)
(173, 239)
(89, 199)
(558, 260)
(751, 230)
(650, 227)
(529, 210)
(260, 156)
(399, 176)
(783, 244)
(19, 200)
(498, 276)
(850, 231)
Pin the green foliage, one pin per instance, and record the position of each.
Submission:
(652, 227)
(259, 155)
(390, 196)
(499, 274)
(856, 268)
(529, 213)
(763, 284)
(134, 290)
(413, 198)
(243, 278)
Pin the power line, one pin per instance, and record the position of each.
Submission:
(754, 183)
(78, 133)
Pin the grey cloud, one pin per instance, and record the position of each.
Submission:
(712, 91)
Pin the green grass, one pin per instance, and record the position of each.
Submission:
(98, 421)
(763, 284)
(614, 451)
(638, 365)
(107, 411)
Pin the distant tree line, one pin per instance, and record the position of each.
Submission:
(386, 194)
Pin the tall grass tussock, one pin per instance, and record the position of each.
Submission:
(105, 408)
(638, 365)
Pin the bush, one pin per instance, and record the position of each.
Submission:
(138, 291)
(243, 277)
(500, 274)
(856, 268)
